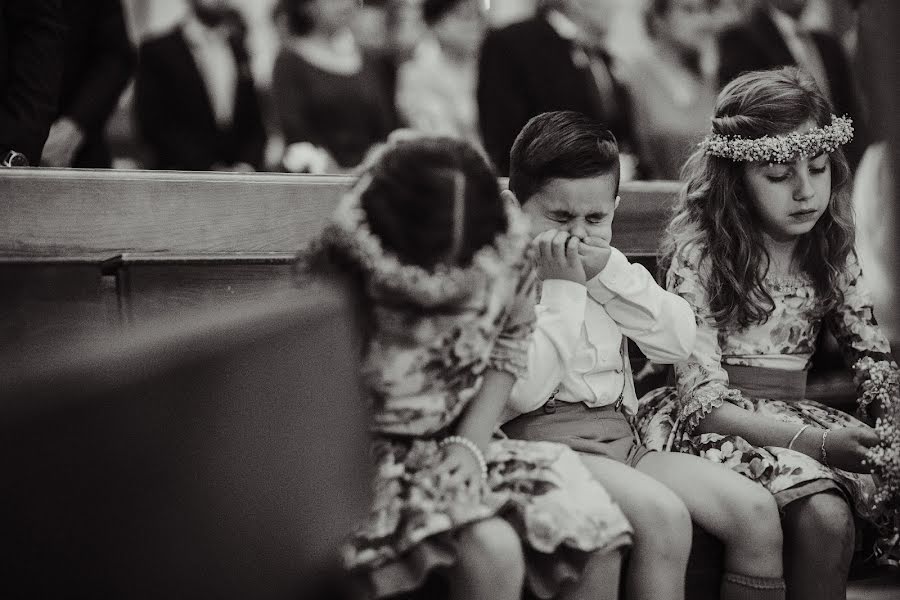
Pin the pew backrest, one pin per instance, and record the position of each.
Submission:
(62, 212)
(219, 456)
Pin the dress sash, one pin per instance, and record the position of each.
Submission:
(762, 382)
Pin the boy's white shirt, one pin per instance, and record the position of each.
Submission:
(578, 336)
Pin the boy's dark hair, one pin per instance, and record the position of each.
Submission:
(560, 145)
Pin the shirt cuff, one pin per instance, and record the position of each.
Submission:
(613, 275)
(563, 295)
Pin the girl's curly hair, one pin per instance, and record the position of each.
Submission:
(715, 213)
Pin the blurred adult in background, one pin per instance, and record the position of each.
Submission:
(673, 86)
(774, 37)
(331, 97)
(31, 65)
(196, 103)
(436, 88)
(99, 62)
(557, 60)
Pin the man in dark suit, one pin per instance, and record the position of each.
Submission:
(99, 62)
(197, 107)
(773, 38)
(554, 61)
(31, 65)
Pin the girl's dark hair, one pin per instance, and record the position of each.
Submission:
(410, 201)
(560, 145)
(715, 213)
(410, 207)
(434, 10)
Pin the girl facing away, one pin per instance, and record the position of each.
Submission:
(441, 263)
(761, 246)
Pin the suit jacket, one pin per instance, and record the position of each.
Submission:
(758, 44)
(175, 115)
(99, 62)
(525, 69)
(31, 65)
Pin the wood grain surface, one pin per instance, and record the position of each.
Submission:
(50, 212)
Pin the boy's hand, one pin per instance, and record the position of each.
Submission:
(556, 256)
(595, 253)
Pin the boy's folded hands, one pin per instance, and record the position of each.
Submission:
(595, 253)
(556, 256)
(560, 255)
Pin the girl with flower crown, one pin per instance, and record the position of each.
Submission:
(761, 246)
(441, 265)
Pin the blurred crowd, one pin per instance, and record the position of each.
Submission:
(310, 85)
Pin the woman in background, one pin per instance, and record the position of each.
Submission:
(436, 88)
(673, 86)
(331, 97)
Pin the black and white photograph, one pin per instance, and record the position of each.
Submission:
(449, 299)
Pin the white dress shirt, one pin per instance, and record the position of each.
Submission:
(577, 344)
(217, 65)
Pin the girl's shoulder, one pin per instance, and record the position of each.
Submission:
(690, 256)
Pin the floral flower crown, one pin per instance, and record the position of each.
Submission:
(781, 149)
(349, 231)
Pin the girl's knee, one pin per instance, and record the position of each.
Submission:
(827, 521)
(664, 520)
(755, 518)
(494, 546)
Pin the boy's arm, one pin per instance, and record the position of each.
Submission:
(560, 318)
(662, 324)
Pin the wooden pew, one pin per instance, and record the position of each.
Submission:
(167, 240)
(218, 456)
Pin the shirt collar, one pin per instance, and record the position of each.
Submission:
(562, 25)
(786, 24)
(199, 34)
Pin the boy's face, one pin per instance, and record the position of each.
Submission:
(582, 207)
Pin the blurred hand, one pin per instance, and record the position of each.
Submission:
(556, 256)
(303, 157)
(595, 253)
(63, 141)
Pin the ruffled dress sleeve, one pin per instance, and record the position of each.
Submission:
(864, 346)
(701, 381)
(510, 351)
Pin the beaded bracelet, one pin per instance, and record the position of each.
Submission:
(824, 454)
(790, 445)
(471, 447)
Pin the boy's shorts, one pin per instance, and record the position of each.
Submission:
(603, 431)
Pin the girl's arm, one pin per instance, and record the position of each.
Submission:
(480, 419)
(864, 346)
(709, 405)
(508, 361)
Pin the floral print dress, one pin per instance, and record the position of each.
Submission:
(421, 371)
(667, 417)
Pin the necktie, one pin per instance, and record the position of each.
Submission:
(598, 64)
(808, 58)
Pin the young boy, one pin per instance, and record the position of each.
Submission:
(565, 173)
